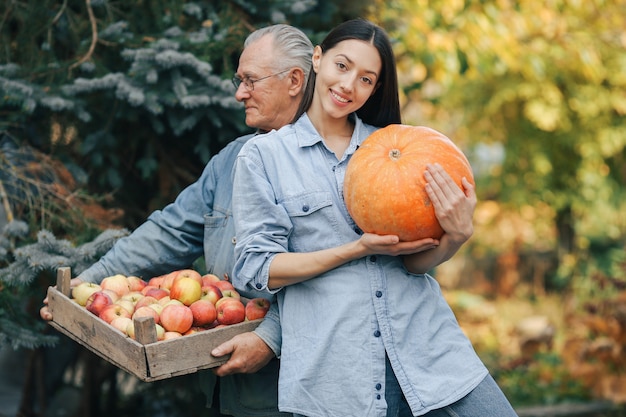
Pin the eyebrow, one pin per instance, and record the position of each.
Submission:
(352, 62)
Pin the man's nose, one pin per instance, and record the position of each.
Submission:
(241, 93)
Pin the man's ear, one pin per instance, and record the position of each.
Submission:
(296, 80)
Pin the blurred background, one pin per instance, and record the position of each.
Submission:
(108, 109)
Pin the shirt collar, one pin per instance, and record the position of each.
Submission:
(310, 136)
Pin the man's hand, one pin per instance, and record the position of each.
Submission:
(44, 312)
(249, 353)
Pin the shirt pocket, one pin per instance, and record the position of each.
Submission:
(314, 221)
(219, 242)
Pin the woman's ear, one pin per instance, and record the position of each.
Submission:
(317, 56)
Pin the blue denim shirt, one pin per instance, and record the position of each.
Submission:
(339, 326)
(199, 222)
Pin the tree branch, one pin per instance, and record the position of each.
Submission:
(94, 36)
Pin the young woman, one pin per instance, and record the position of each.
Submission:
(365, 331)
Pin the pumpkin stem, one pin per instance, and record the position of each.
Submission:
(394, 154)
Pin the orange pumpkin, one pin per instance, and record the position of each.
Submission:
(384, 186)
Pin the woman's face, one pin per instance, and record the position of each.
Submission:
(347, 75)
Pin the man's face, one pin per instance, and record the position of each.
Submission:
(269, 105)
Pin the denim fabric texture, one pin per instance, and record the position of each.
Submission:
(338, 327)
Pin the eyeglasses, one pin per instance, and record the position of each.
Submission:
(249, 82)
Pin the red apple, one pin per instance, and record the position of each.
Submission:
(146, 311)
(117, 283)
(121, 323)
(224, 285)
(209, 279)
(146, 301)
(231, 294)
(156, 281)
(157, 293)
(171, 335)
(136, 283)
(189, 273)
(113, 311)
(176, 318)
(257, 308)
(186, 290)
(168, 280)
(82, 291)
(97, 302)
(203, 312)
(114, 296)
(230, 311)
(211, 292)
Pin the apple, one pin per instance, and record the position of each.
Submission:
(171, 335)
(146, 301)
(157, 293)
(257, 308)
(203, 312)
(230, 311)
(121, 323)
(171, 301)
(156, 281)
(97, 302)
(114, 296)
(113, 311)
(136, 283)
(165, 300)
(117, 283)
(130, 330)
(224, 285)
(209, 279)
(210, 292)
(126, 304)
(186, 290)
(156, 307)
(132, 296)
(188, 273)
(82, 291)
(146, 311)
(231, 294)
(177, 318)
(194, 330)
(168, 280)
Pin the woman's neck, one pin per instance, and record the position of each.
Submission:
(335, 132)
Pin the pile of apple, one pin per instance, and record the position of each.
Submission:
(182, 302)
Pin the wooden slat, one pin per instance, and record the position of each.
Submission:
(95, 334)
(191, 353)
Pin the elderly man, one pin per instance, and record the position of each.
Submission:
(270, 81)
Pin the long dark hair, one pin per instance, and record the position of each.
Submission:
(383, 107)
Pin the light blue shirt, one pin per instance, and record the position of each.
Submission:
(338, 327)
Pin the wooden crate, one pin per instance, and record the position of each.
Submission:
(146, 358)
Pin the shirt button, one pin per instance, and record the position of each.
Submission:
(259, 285)
(378, 397)
(377, 333)
(373, 258)
(233, 240)
(379, 294)
(305, 208)
(378, 386)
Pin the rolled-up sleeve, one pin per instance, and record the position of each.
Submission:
(261, 225)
